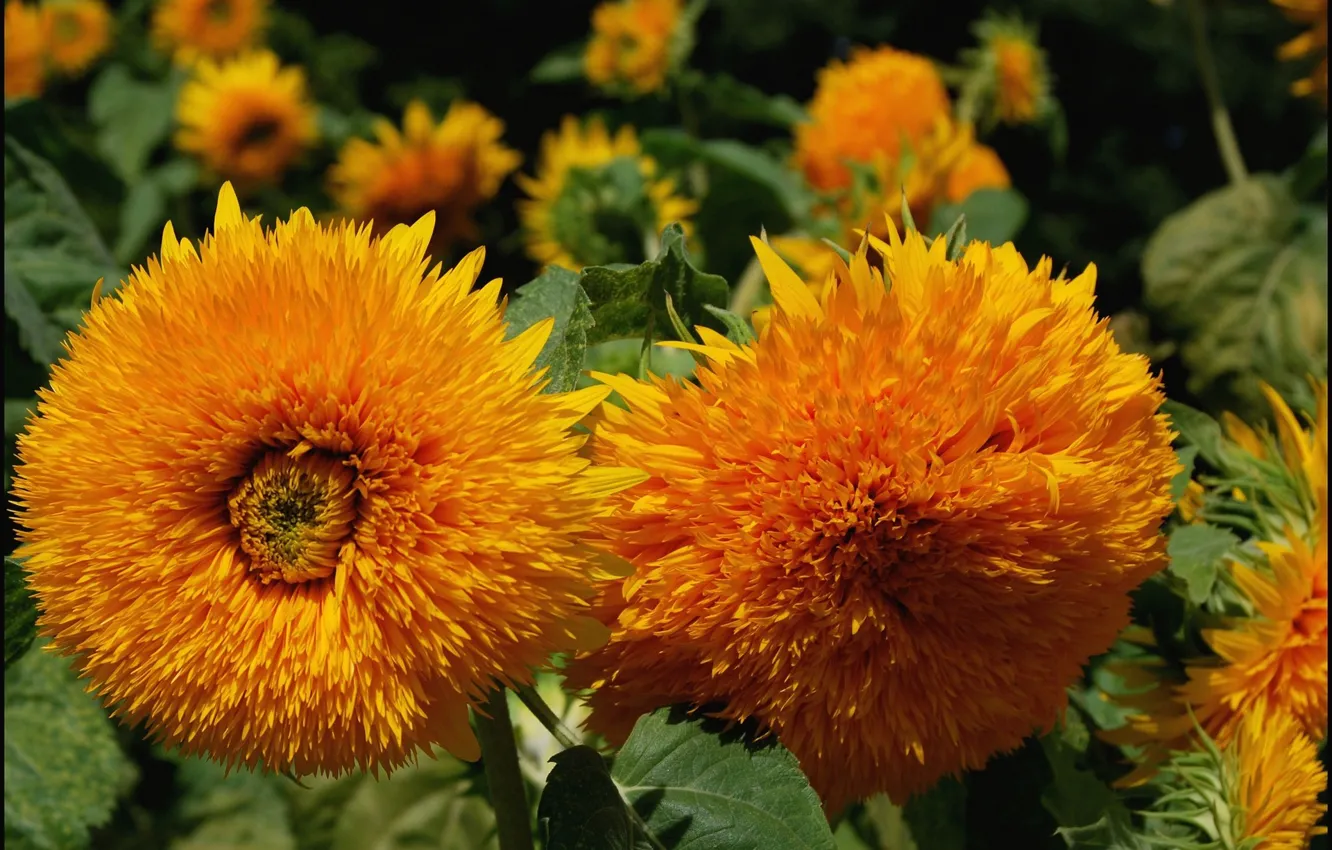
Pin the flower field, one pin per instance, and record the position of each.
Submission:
(666, 425)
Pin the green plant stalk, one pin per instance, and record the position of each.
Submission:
(1226, 143)
(499, 753)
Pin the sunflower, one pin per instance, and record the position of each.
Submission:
(246, 118)
(77, 32)
(891, 530)
(451, 167)
(1259, 791)
(868, 108)
(295, 501)
(1279, 779)
(1274, 661)
(978, 168)
(216, 29)
(631, 44)
(1311, 43)
(595, 198)
(25, 51)
(1012, 70)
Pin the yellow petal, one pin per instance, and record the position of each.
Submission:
(228, 209)
(788, 290)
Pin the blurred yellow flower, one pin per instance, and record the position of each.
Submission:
(631, 44)
(1311, 43)
(979, 167)
(216, 29)
(294, 500)
(894, 497)
(596, 199)
(246, 118)
(1276, 783)
(25, 50)
(1012, 77)
(77, 32)
(450, 167)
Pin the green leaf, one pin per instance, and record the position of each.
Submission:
(738, 330)
(1196, 553)
(20, 612)
(243, 810)
(38, 335)
(1310, 173)
(695, 789)
(993, 215)
(1076, 797)
(955, 240)
(132, 116)
(1196, 429)
(561, 65)
(937, 819)
(1239, 277)
(875, 824)
(625, 294)
(580, 808)
(1179, 485)
(762, 171)
(1112, 831)
(621, 356)
(64, 769)
(555, 293)
(682, 331)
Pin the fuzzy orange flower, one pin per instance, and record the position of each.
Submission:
(78, 31)
(216, 29)
(293, 500)
(25, 50)
(1277, 780)
(450, 167)
(631, 44)
(894, 528)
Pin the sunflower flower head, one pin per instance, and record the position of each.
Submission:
(77, 33)
(247, 119)
(634, 44)
(25, 50)
(893, 528)
(866, 108)
(294, 500)
(1312, 43)
(217, 29)
(596, 198)
(1008, 72)
(450, 167)
(1259, 792)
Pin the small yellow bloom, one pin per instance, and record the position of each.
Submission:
(1311, 43)
(78, 31)
(293, 499)
(1016, 82)
(893, 528)
(246, 118)
(631, 44)
(216, 29)
(595, 198)
(25, 50)
(451, 168)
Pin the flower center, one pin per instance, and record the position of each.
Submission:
(294, 515)
(259, 132)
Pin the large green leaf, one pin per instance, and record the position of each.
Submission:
(580, 808)
(723, 94)
(626, 297)
(64, 769)
(145, 209)
(1240, 278)
(133, 117)
(555, 293)
(20, 612)
(697, 790)
(1196, 553)
(240, 810)
(1196, 429)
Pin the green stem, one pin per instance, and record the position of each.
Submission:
(499, 755)
(747, 289)
(1225, 133)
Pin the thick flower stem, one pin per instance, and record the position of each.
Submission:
(1221, 126)
(500, 756)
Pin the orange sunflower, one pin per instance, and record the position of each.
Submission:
(891, 530)
(25, 50)
(1278, 778)
(247, 118)
(866, 108)
(451, 167)
(78, 31)
(216, 29)
(294, 501)
(631, 44)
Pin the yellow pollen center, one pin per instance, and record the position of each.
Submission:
(294, 516)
